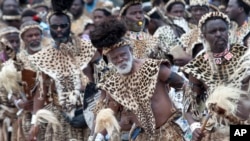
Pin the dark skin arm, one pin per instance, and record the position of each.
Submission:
(23, 104)
(38, 104)
(197, 88)
(173, 79)
(89, 70)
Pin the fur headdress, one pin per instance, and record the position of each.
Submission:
(11, 15)
(210, 15)
(7, 30)
(127, 4)
(28, 25)
(198, 2)
(170, 2)
(109, 35)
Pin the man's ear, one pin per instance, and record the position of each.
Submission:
(241, 9)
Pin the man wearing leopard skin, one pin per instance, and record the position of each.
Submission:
(61, 80)
(131, 14)
(138, 85)
(208, 70)
(229, 103)
(32, 42)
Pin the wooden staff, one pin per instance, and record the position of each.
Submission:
(205, 122)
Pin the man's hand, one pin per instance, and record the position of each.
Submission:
(197, 134)
(33, 133)
(26, 105)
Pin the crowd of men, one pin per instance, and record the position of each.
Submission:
(92, 70)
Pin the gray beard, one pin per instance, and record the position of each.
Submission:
(35, 49)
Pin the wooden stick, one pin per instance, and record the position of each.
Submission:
(205, 122)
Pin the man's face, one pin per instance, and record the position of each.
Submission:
(13, 39)
(216, 34)
(198, 11)
(233, 10)
(32, 39)
(122, 59)
(98, 17)
(59, 28)
(133, 16)
(76, 7)
(177, 10)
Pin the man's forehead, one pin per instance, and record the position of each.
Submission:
(212, 22)
(136, 7)
(198, 7)
(12, 34)
(33, 30)
(61, 19)
(216, 20)
(118, 50)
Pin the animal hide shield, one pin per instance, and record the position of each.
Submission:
(29, 79)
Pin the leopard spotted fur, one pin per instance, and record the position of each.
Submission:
(64, 65)
(135, 91)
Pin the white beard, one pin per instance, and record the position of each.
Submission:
(182, 23)
(125, 67)
(35, 49)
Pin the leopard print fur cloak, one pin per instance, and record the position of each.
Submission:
(64, 65)
(135, 91)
